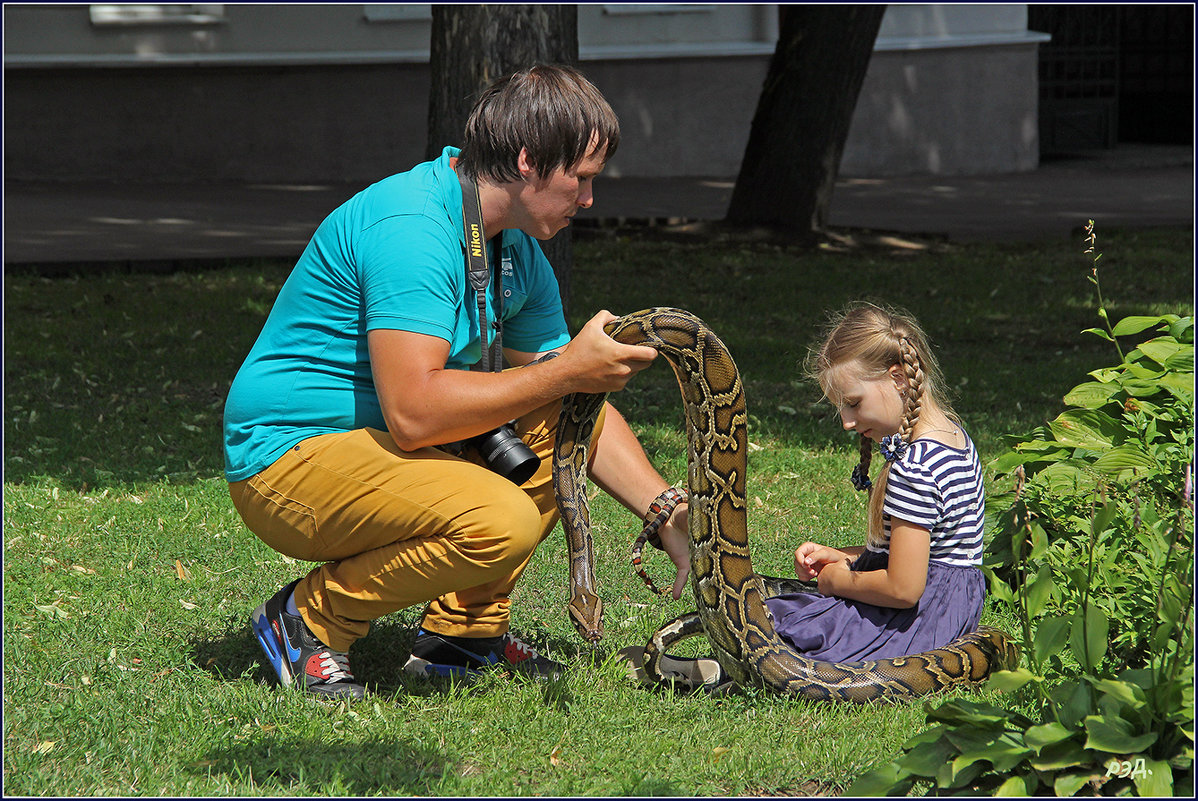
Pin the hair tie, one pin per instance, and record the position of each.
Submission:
(893, 447)
(861, 478)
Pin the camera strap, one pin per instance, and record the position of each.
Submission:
(478, 274)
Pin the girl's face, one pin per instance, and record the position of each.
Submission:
(872, 407)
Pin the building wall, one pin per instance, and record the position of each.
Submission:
(286, 124)
(951, 90)
(943, 112)
(323, 93)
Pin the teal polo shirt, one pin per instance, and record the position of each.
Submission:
(391, 257)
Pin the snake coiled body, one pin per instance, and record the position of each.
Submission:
(729, 594)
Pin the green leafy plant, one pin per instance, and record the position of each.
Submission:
(1093, 550)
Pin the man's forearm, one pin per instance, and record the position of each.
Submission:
(620, 467)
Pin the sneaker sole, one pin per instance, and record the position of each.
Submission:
(265, 634)
(422, 667)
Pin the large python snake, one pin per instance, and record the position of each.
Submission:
(730, 596)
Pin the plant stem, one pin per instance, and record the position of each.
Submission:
(1091, 239)
(1085, 605)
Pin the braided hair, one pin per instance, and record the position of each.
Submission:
(874, 339)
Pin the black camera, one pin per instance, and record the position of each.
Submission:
(506, 454)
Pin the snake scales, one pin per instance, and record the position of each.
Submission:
(730, 596)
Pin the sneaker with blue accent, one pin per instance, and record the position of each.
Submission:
(441, 655)
(297, 656)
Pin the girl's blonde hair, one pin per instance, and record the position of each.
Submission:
(872, 339)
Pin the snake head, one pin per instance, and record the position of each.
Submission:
(586, 612)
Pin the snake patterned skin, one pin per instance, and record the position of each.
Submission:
(730, 596)
(659, 512)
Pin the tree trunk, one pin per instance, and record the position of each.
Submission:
(803, 115)
(471, 46)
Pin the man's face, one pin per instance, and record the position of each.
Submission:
(550, 201)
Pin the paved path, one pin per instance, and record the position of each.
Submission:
(102, 223)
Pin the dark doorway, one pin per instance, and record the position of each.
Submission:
(1114, 73)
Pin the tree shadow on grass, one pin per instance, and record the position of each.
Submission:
(307, 767)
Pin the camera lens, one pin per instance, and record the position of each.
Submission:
(507, 455)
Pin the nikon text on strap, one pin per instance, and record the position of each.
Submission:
(478, 273)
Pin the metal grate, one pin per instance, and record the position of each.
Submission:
(1079, 76)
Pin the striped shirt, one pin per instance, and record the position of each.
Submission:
(939, 488)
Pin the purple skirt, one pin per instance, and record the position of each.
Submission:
(841, 630)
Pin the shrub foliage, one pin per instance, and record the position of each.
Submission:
(1092, 548)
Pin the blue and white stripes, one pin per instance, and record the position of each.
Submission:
(939, 488)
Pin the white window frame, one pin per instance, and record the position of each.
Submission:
(103, 15)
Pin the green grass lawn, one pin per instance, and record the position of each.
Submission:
(129, 668)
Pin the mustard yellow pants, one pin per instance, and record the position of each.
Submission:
(395, 529)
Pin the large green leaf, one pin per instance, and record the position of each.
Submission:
(1182, 382)
(1088, 637)
(1065, 478)
(1073, 703)
(1006, 754)
(1161, 350)
(970, 713)
(1002, 756)
(1068, 783)
(1065, 754)
(1039, 592)
(1182, 361)
(1155, 781)
(952, 774)
(929, 735)
(885, 780)
(1140, 371)
(1049, 638)
(1017, 786)
(1038, 445)
(1145, 387)
(1037, 737)
(999, 589)
(1101, 519)
(927, 758)
(1129, 456)
(968, 738)
(1114, 735)
(1182, 328)
(1086, 428)
(1009, 460)
(1134, 324)
(1130, 694)
(1005, 681)
(1091, 395)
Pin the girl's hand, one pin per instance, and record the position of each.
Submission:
(805, 568)
(899, 585)
(832, 575)
(811, 558)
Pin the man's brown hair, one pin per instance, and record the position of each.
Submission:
(550, 110)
